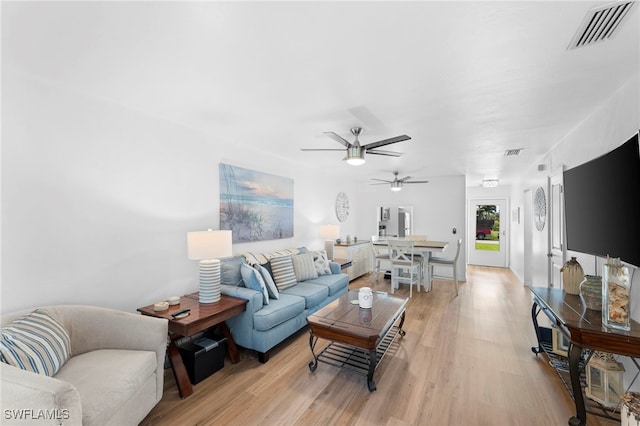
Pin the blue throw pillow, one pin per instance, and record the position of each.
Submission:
(253, 280)
(230, 270)
(271, 285)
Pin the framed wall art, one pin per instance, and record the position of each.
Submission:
(256, 206)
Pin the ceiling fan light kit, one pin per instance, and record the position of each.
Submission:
(396, 186)
(355, 156)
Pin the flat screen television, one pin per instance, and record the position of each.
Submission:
(600, 204)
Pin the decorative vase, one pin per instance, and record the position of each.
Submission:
(572, 275)
(616, 294)
(591, 292)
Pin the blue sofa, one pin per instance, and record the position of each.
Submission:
(262, 326)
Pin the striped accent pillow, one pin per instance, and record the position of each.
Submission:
(37, 343)
(304, 267)
(282, 271)
(262, 258)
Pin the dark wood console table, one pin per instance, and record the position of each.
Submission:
(583, 327)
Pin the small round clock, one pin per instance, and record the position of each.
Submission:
(540, 208)
(342, 206)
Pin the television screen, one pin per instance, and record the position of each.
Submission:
(600, 199)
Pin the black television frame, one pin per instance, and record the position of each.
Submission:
(600, 198)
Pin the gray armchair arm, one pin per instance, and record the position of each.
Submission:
(28, 398)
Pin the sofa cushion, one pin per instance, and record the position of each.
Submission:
(313, 294)
(230, 270)
(334, 282)
(278, 312)
(303, 266)
(105, 390)
(321, 262)
(36, 342)
(283, 273)
(268, 280)
(253, 280)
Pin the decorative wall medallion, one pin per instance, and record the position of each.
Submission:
(342, 206)
(540, 208)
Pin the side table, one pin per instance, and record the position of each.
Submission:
(202, 317)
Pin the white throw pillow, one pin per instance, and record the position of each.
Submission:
(321, 262)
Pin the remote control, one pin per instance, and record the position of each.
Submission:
(181, 314)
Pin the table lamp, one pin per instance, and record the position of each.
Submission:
(329, 233)
(208, 247)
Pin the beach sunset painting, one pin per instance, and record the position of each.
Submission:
(255, 206)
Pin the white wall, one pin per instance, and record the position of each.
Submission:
(605, 129)
(97, 199)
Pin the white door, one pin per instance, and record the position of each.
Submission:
(557, 247)
(488, 232)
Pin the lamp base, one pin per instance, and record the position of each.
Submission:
(209, 281)
(328, 247)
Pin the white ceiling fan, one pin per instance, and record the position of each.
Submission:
(355, 151)
(397, 183)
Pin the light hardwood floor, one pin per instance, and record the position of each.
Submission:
(465, 360)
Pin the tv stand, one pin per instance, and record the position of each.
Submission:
(583, 327)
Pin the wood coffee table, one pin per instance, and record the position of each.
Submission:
(359, 337)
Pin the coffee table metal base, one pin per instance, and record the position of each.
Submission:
(353, 358)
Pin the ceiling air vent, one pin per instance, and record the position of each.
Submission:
(600, 23)
(512, 152)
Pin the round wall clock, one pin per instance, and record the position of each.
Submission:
(540, 208)
(342, 206)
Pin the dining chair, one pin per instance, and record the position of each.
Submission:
(380, 257)
(405, 268)
(443, 262)
(420, 256)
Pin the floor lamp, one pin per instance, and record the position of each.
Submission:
(208, 247)
(329, 233)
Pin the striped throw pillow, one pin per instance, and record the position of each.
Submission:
(303, 266)
(37, 343)
(282, 271)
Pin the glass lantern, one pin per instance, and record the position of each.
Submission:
(605, 379)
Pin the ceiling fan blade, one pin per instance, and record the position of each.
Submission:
(384, 152)
(386, 141)
(389, 153)
(380, 183)
(382, 180)
(418, 181)
(404, 179)
(336, 137)
(321, 149)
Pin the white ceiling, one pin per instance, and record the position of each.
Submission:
(466, 80)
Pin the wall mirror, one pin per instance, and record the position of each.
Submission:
(394, 221)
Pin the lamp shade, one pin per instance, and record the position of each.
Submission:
(208, 244)
(329, 232)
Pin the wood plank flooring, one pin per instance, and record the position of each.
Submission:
(465, 360)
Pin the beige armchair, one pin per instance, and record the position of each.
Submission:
(114, 375)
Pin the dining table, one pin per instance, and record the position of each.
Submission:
(423, 248)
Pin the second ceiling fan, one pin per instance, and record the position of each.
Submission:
(397, 183)
(355, 151)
